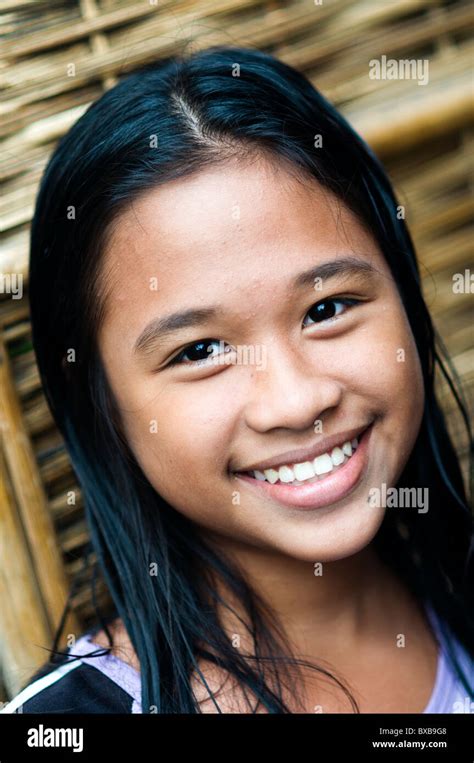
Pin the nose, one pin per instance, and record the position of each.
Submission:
(289, 391)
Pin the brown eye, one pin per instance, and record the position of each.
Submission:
(197, 353)
(328, 309)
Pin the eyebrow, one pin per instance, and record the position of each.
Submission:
(160, 328)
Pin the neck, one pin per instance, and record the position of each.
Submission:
(323, 608)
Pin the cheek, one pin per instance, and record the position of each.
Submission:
(178, 437)
(385, 370)
(381, 361)
(395, 367)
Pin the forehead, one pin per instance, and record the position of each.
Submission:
(223, 232)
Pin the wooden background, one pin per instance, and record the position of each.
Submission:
(423, 134)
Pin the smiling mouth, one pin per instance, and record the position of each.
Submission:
(311, 471)
(335, 482)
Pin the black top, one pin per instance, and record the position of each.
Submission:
(70, 686)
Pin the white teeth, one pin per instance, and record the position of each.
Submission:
(347, 449)
(304, 471)
(309, 469)
(271, 475)
(337, 456)
(323, 464)
(286, 474)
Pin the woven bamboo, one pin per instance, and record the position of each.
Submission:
(423, 134)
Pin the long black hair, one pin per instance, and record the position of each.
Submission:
(163, 122)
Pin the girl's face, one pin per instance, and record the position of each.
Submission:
(259, 371)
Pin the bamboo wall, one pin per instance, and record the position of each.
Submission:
(424, 135)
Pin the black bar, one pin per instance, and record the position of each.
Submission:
(311, 737)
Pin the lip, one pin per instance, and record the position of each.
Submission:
(325, 491)
(305, 454)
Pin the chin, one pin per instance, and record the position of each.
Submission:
(336, 541)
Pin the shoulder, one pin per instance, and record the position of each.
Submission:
(454, 686)
(223, 693)
(122, 645)
(72, 687)
(459, 676)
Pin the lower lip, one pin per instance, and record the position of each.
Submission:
(325, 491)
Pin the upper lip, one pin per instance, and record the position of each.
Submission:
(306, 454)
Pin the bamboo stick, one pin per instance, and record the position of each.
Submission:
(24, 622)
(32, 503)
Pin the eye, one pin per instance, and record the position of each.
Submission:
(198, 353)
(328, 309)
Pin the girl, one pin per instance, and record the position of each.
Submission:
(229, 326)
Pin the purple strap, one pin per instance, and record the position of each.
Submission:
(115, 669)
